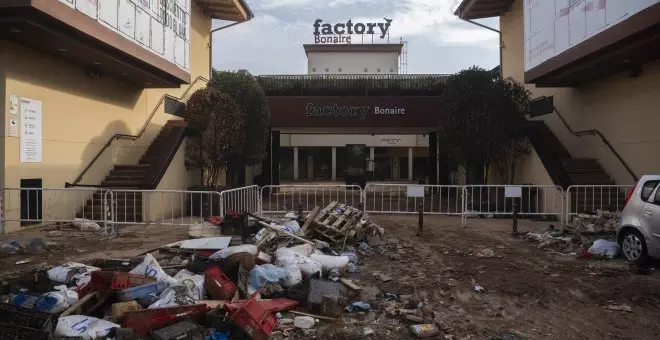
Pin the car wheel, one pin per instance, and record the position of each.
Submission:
(633, 246)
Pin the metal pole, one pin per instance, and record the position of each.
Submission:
(420, 209)
(490, 29)
(514, 220)
(211, 42)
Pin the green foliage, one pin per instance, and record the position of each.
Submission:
(216, 125)
(353, 84)
(245, 90)
(482, 114)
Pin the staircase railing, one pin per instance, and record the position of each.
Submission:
(592, 132)
(118, 136)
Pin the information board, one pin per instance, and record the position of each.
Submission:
(554, 26)
(160, 26)
(31, 131)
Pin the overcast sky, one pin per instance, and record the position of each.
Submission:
(271, 43)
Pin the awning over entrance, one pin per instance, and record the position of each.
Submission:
(479, 9)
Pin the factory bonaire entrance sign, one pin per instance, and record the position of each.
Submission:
(356, 111)
(340, 33)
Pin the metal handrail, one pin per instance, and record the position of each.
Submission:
(133, 137)
(592, 132)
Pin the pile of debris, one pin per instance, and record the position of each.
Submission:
(602, 222)
(587, 235)
(261, 277)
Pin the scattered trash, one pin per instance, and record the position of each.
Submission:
(304, 322)
(609, 249)
(424, 330)
(619, 307)
(23, 261)
(486, 252)
(358, 305)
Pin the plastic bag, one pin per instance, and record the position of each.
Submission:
(150, 267)
(194, 283)
(604, 248)
(287, 257)
(227, 252)
(176, 295)
(85, 224)
(56, 302)
(331, 262)
(261, 275)
(303, 249)
(291, 226)
(71, 272)
(83, 326)
(293, 277)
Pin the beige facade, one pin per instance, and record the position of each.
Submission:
(80, 114)
(353, 63)
(623, 109)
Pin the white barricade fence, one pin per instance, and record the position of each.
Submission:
(533, 201)
(240, 199)
(29, 206)
(278, 199)
(166, 207)
(409, 198)
(591, 198)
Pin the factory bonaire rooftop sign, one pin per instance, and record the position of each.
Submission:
(354, 111)
(341, 32)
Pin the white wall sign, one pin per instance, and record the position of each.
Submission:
(552, 27)
(160, 26)
(415, 191)
(14, 106)
(31, 131)
(512, 192)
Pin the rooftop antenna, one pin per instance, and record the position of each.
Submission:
(403, 59)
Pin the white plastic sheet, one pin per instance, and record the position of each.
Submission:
(606, 248)
(287, 257)
(150, 267)
(227, 252)
(83, 326)
(71, 272)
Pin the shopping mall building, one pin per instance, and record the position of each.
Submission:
(352, 94)
(593, 68)
(89, 85)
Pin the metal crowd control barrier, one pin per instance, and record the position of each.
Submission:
(277, 199)
(498, 200)
(241, 199)
(165, 207)
(30, 206)
(408, 198)
(590, 198)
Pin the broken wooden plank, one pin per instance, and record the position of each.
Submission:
(278, 230)
(349, 283)
(313, 315)
(309, 220)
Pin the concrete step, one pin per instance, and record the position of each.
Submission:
(132, 166)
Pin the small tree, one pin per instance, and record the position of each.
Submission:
(247, 92)
(216, 126)
(481, 114)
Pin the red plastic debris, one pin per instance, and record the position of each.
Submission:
(218, 285)
(254, 319)
(271, 305)
(216, 220)
(146, 320)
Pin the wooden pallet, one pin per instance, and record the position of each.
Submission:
(336, 222)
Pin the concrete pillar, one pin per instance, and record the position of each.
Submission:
(410, 164)
(372, 158)
(334, 163)
(295, 163)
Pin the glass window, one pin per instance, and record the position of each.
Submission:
(647, 190)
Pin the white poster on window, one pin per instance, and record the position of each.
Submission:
(160, 26)
(553, 27)
(31, 131)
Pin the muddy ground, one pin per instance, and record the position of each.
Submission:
(528, 292)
